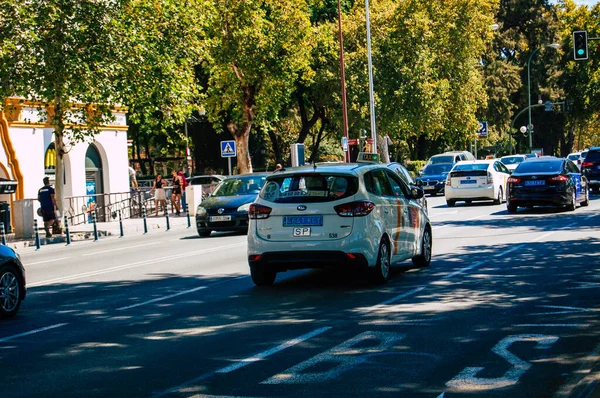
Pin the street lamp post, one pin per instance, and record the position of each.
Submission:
(529, 129)
(343, 78)
(370, 64)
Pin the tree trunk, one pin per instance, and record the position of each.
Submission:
(315, 150)
(59, 144)
(276, 148)
(382, 146)
(241, 137)
(307, 124)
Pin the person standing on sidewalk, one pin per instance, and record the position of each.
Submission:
(176, 195)
(47, 206)
(160, 197)
(184, 185)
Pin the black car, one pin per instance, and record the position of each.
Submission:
(591, 168)
(12, 282)
(226, 209)
(546, 182)
(433, 178)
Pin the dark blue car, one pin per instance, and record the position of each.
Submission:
(12, 282)
(547, 182)
(226, 209)
(433, 178)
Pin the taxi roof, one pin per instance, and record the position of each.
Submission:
(337, 168)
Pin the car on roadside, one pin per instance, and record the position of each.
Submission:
(512, 161)
(209, 182)
(404, 174)
(341, 215)
(590, 168)
(476, 180)
(12, 282)
(577, 158)
(433, 178)
(226, 209)
(547, 182)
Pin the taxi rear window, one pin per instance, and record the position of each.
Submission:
(309, 188)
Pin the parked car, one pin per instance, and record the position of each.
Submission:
(547, 182)
(12, 282)
(577, 158)
(433, 178)
(226, 209)
(590, 168)
(340, 215)
(512, 161)
(476, 180)
(209, 183)
(404, 174)
(451, 157)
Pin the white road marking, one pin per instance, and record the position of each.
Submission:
(541, 237)
(592, 216)
(16, 336)
(553, 325)
(133, 265)
(467, 379)
(565, 310)
(121, 248)
(48, 261)
(394, 323)
(512, 249)
(441, 395)
(156, 300)
(401, 296)
(460, 271)
(248, 361)
(569, 225)
(178, 294)
(345, 356)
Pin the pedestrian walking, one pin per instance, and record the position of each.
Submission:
(160, 197)
(176, 194)
(47, 206)
(185, 184)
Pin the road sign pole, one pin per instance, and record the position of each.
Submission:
(229, 165)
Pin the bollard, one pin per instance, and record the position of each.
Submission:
(187, 210)
(167, 217)
(94, 220)
(67, 233)
(37, 235)
(120, 225)
(145, 222)
(3, 233)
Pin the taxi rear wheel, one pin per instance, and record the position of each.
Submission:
(573, 204)
(451, 203)
(586, 202)
(498, 200)
(261, 276)
(381, 272)
(424, 259)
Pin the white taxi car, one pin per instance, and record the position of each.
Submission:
(476, 180)
(345, 215)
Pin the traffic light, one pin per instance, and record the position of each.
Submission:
(580, 45)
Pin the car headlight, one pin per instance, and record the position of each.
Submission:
(200, 211)
(245, 207)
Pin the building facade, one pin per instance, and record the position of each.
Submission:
(94, 167)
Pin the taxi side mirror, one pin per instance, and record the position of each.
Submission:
(416, 192)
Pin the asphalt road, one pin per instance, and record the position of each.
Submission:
(508, 307)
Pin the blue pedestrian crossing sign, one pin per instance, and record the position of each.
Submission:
(345, 144)
(228, 149)
(483, 130)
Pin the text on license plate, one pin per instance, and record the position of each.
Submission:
(304, 231)
(468, 181)
(220, 218)
(302, 221)
(535, 182)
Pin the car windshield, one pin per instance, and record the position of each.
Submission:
(472, 166)
(574, 156)
(540, 167)
(512, 159)
(309, 188)
(442, 159)
(436, 169)
(250, 185)
(593, 156)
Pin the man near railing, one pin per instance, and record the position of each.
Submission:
(47, 206)
(181, 174)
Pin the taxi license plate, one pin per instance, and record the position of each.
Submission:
(468, 181)
(535, 182)
(299, 232)
(220, 218)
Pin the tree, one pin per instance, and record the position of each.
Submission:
(62, 54)
(256, 49)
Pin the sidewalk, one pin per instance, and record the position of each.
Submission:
(133, 226)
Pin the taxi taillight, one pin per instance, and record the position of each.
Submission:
(259, 212)
(490, 178)
(559, 178)
(587, 164)
(359, 208)
(513, 180)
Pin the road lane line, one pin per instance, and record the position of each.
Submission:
(541, 237)
(460, 271)
(404, 295)
(512, 249)
(156, 300)
(48, 261)
(16, 336)
(121, 248)
(592, 216)
(133, 265)
(248, 361)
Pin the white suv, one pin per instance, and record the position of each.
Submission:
(345, 215)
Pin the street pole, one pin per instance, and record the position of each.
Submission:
(343, 77)
(371, 95)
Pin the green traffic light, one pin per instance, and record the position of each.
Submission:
(581, 51)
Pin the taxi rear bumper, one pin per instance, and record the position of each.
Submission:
(285, 260)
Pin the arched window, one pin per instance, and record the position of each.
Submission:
(50, 160)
